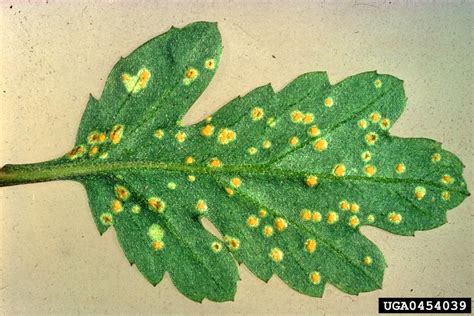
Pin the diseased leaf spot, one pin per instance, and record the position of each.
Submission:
(216, 246)
(374, 117)
(266, 144)
(201, 206)
(252, 150)
(313, 131)
(445, 195)
(339, 170)
(271, 122)
(158, 245)
(378, 83)
(226, 136)
(316, 217)
(157, 205)
(257, 114)
(235, 182)
(267, 231)
(136, 83)
(311, 181)
(294, 141)
(215, 163)
(191, 178)
(355, 207)
(332, 217)
(308, 118)
(328, 102)
(371, 138)
(310, 245)
(305, 214)
(385, 124)
(232, 242)
(116, 206)
(121, 193)
(106, 219)
(394, 217)
(190, 75)
(207, 130)
(447, 179)
(253, 221)
(93, 151)
(136, 209)
(229, 192)
(262, 213)
(171, 185)
(400, 168)
(296, 116)
(280, 224)
(420, 193)
(116, 134)
(180, 136)
(189, 160)
(370, 170)
(104, 155)
(344, 205)
(96, 137)
(436, 157)
(76, 152)
(210, 64)
(362, 124)
(315, 277)
(276, 254)
(320, 144)
(367, 260)
(370, 219)
(159, 134)
(354, 221)
(366, 156)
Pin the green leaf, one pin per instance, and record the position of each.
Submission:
(287, 178)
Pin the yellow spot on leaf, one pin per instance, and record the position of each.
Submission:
(276, 254)
(106, 219)
(320, 144)
(156, 205)
(96, 138)
(271, 122)
(328, 102)
(344, 205)
(253, 221)
(229, 192)
(159, 133)
(436, 157)
(189, 160)
(104, 155)
(180, 136)
(385, 124)
(116, 206)
(76, 152)
(93, 151)
(370, 170)
(296, 116)
(374, 117)
(155, 232)
(332, 217)
(339, 170)
(305, 214)
(395, 218)
(311, 181)
(362, 124)
(447, 179)
(378, 83)
(116, 134)
(216, 247)
(266, 144)
(370, 219)
(190, 75)
(420, 193)
(315, 277)
(445, 195)
(400, 168)
(267, 231)
(367, 260)
(158, 245)
(354, 221)
(121, 192)
(313, 131)
(210, 64)
(355, 207)
(280, 224)
(226, 136)
(136, 209)
(366, 156)
(232, 242)
(371, 138)
(294, 141)
(171, 185)
(235, 182)
(215, 163)
(201, 206)
(136, 83)
(191, 178)
(207, 130)
(316, 217)
(310, 245)
(308, 118)
(262, 213)
(257, 113)
(252, 150)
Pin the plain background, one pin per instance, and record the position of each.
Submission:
(52, 260)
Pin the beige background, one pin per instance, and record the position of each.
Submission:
(52, 259)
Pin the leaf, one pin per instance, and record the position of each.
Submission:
(288, 178)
